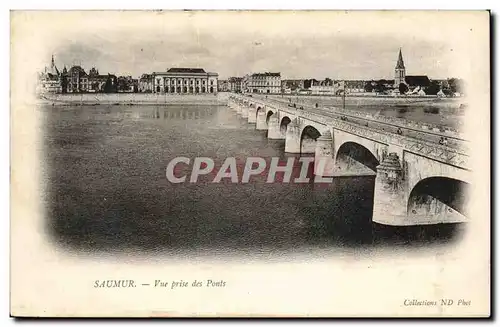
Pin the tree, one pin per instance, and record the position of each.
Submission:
(368, 87)
(403, 88)
(123, 84)
(380, 86)
(433, 88)
(64, 84)
(111, 85)
(108, 85)
(455, 85)
(447, 91)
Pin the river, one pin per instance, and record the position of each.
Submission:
(106, 190)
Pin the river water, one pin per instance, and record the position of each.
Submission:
(106, 190)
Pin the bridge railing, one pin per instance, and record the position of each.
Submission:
(447, 131)
(423, 128)
(443, 153)
(457, 156)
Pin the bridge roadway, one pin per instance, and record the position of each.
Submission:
(413, 108)
(454, 140)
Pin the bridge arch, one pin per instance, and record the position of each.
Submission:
(284, 124)
(268, 115)
(308, 139)
(439, 196)
(352, 154)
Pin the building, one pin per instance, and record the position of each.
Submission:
(223, 85)
(146, 83)
(127, 84)
(49, 81)
(77, 80)
(355, 86)
(234, 84)
(412, 81)
(97, 82)
(308, 83)
(262, 83)
(185, 81)
(326, 87)
(292, 85)
(399, 71)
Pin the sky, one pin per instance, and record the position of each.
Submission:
(338, 45)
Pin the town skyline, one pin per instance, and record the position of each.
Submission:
(234, 44)
(416, 65)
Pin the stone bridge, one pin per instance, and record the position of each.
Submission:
(418, 181)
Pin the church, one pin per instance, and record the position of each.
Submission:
(415, 83)
(49, 81)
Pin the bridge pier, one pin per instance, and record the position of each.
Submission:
(274, 130)
(252, 115)
(324, 161)
(389, 200)
(307, 145)
(292, 138)
(244, 111)
(261, 120)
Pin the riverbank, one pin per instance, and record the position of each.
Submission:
(451, 105)
(130, 99)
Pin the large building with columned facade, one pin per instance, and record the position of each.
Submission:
(185, 81)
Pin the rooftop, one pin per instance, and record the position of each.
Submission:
(186, 70)
(417, 80)
(266, 74)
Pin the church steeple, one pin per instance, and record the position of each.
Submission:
(53, 68)
(400, 64)
(399, 71)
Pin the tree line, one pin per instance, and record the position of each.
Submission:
(449, 87)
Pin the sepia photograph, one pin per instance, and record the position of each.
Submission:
(238, 163)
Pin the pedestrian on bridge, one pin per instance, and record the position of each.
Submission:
(400, 132)
(443, 141)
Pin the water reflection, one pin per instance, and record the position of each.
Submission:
(165, 112)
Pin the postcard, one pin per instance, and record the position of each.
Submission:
(250, 163)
